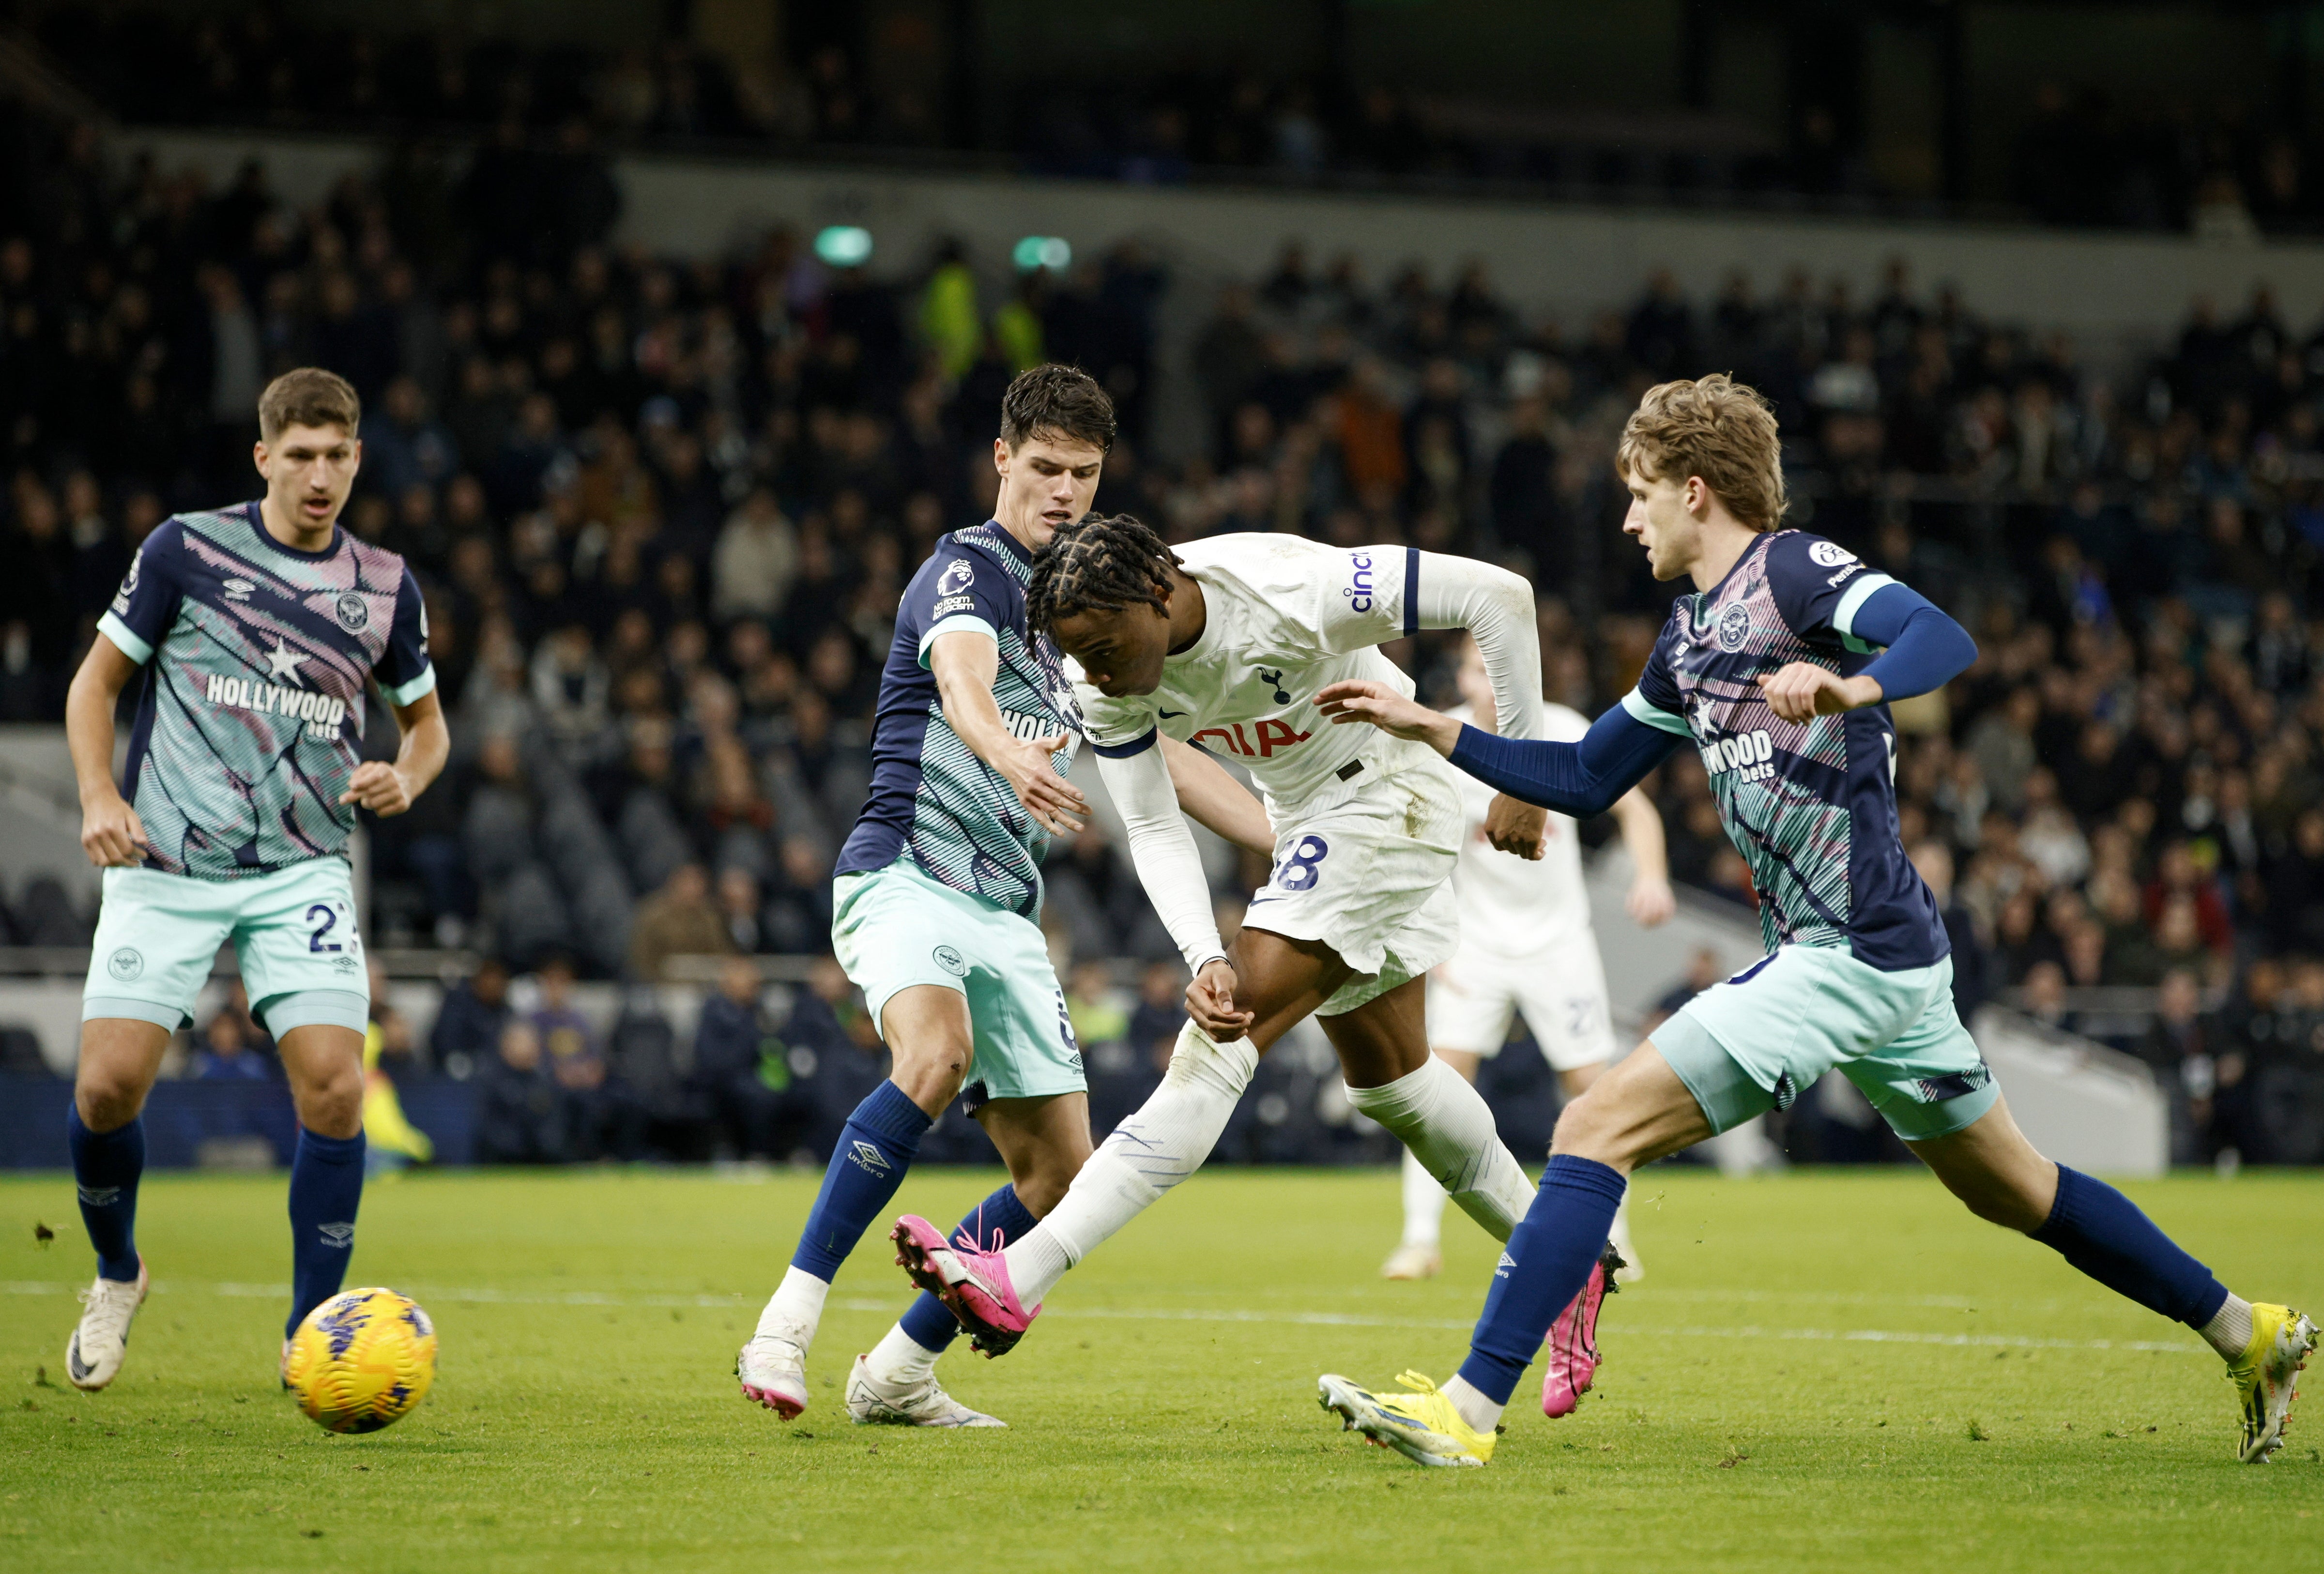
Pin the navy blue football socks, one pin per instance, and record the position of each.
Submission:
(868, 1163)
(993, 1223)
(327, 1176)
(106, 1167)
(2103, 1233)
(1543, 1268)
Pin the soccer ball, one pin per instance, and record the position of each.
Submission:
(363, 1360)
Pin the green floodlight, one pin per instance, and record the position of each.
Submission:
(1050, 252)
(844, 245)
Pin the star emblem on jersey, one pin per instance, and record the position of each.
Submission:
(1735, 628)
(282, 662)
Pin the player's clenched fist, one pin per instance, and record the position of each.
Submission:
(378, 787)
(1210, 1001)
(1364, 700)
(1803, 691)
(1514, 826)
(112, 834)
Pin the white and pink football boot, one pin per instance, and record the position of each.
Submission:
(972, 1284)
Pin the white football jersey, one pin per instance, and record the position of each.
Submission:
(1285, 617)
(1510, 906)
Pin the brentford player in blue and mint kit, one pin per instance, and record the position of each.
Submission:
(257, 629)
(1778, 669)
(936, 906)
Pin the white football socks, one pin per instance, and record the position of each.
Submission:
(1478, 1411)
(1446, 1125)
(899, 1360)
(794, 1309)
(1153, 1150)
(1424, 1204)
(2229, 1330)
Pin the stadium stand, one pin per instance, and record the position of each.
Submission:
(663, 509)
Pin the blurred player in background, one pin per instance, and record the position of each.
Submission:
(1526, 946)
(1227, 644)
(258, 628)
(936, 906)
(1779, 668)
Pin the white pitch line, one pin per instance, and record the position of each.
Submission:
(489, 1297)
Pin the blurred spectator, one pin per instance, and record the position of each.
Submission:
(225, 1053)
(516, 1116)
(678, 920)
(467, 1036)
(744, 1070)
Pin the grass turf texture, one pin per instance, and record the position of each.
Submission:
(584, 1416)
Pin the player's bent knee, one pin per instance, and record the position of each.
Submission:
(107, 1100)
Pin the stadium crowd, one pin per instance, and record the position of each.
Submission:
(663, 511)
(2082, 156)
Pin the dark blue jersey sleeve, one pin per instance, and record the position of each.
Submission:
(960, 588)
(1819, 584)
(146, 605)
(1580, 778)
(1923, 648)
(1657, 687)
(404, 672)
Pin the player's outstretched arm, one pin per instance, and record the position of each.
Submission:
(1573, 779)
(965, 663)
(111, 834)
(1218, 803)
(426, 742)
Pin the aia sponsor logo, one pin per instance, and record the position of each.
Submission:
(1265, 738)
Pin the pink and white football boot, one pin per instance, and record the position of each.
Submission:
(972, 1284)
(1570, 1355)
(773, 1373)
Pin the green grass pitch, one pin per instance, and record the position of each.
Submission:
(1820, 1371)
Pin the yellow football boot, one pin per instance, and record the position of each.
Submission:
(1422, 1425)
(2267, 1377)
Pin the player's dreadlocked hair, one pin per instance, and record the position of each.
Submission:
(1101, 563)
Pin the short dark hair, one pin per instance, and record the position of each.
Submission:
(308, 397)
(1101, 563)
(1061, 402)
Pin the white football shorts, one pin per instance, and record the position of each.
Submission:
(1371, 876)
(1562, 990)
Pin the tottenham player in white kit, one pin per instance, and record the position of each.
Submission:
(1226, 645)
(1526, 948)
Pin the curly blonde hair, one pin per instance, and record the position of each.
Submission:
(1717, 428)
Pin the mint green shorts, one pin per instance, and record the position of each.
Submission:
(293, 932)
(894, 927)
(1762, 1038)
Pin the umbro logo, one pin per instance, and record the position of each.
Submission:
(237, 589)
(870, 1159)
(1506, 1261)
(99, 1196)
(342, 1236)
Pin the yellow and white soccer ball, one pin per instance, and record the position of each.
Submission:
(363, 1360)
